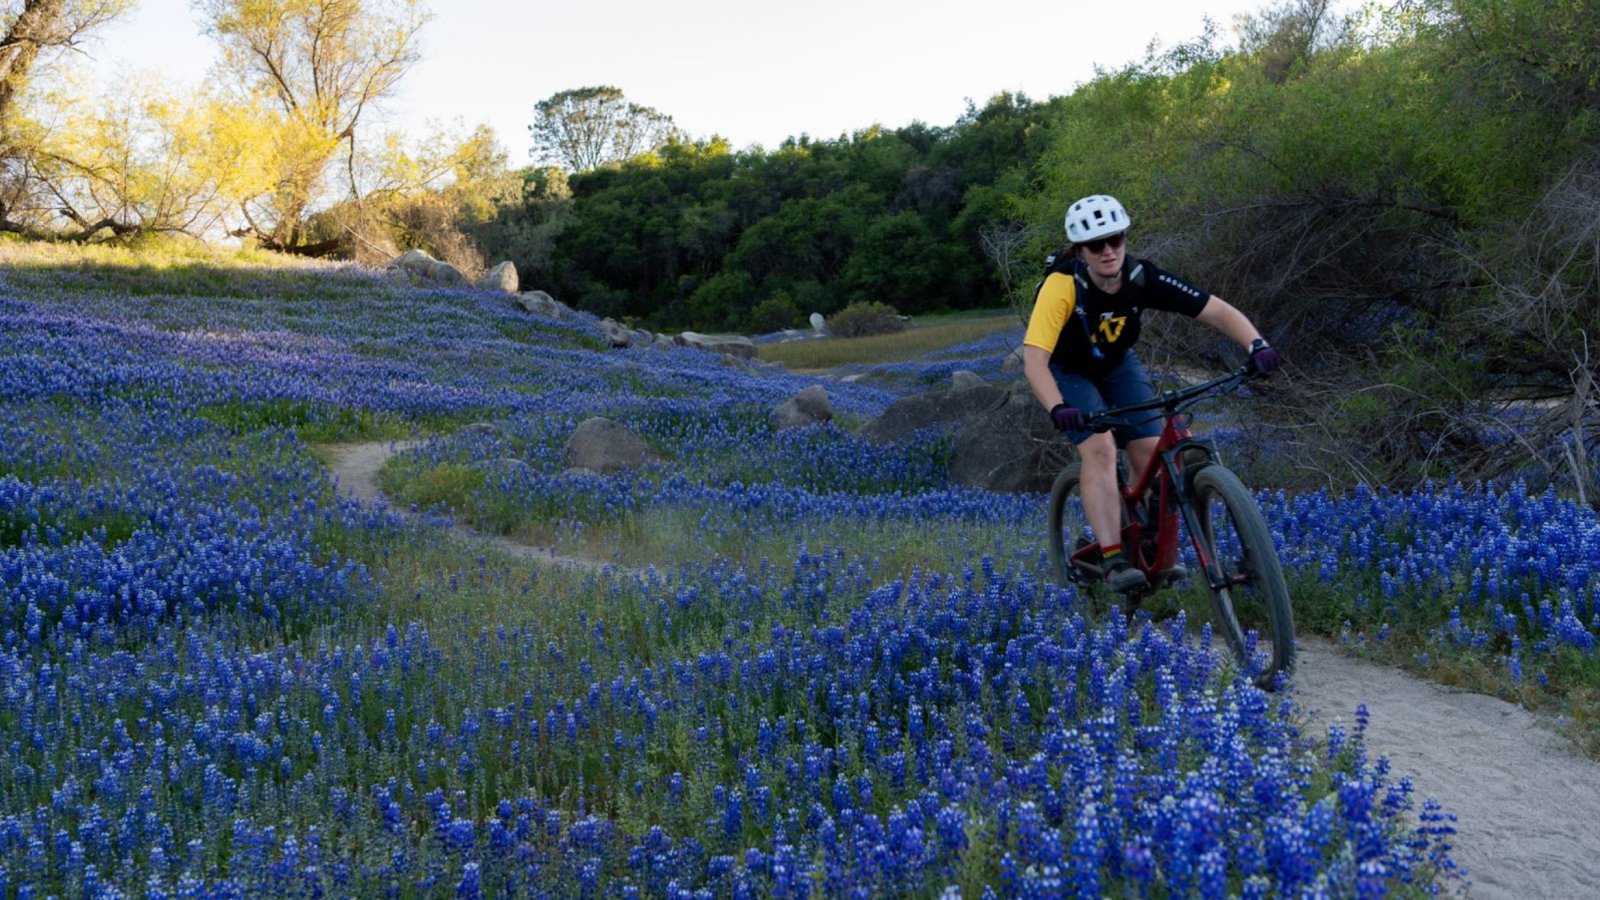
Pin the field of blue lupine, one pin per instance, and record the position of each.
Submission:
(222, 679)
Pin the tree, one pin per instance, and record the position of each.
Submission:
(436, 197)
(324, 64)
(39, 26)
(31, 32)
(1286, 37)
(141, 159)
(586, 128)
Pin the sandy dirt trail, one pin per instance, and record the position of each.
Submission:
(1527, 804)
(355, 471)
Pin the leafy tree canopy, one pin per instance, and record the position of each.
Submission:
(585, 128)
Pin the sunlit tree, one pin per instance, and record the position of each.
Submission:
(325, 64)
(585, 128)
(143, 158)
(32, 35)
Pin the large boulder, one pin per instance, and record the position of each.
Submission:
(809, 407)
(942, 408)
(1010, 446)
(731, 344)
(415, 262)
(502, 278)
(617, 334)
(962, 380)
(1001, 440)
(446, 274)
(418, 264)
(1012, 362)
(542, 304)
(606, 447)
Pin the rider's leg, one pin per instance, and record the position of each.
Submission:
(1139, 453)
(1102, 505)
(1097, 459)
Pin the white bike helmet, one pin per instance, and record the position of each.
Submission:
(1095, 216)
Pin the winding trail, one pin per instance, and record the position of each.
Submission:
(1527, 804)
(355, 472)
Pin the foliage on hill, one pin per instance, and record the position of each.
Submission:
(697, 233)
(1376, 192)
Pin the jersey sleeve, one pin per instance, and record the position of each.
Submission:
(1173, 294)
(1050, 310)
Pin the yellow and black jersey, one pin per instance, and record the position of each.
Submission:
(1088, 331)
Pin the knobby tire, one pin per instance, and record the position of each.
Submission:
(1255, 596)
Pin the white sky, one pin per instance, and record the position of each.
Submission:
(752, 71)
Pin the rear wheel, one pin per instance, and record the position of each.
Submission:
(1251, 599)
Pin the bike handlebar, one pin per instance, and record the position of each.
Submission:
(1171, 401)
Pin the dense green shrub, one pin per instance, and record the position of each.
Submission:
(863, 319)
(773, 314)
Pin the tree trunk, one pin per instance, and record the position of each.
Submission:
(38, 25)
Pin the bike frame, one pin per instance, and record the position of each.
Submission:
(1166, 479)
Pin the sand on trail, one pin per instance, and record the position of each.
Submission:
(1527, 804)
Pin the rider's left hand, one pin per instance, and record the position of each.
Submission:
(1263, 358)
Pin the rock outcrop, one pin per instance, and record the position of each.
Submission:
(606, 447)
(542, 304)
(1000, 438)
(736, 345)
(809, 407)
(502, 278)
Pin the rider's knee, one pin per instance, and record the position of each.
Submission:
(1098, 451)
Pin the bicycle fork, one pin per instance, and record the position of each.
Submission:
(1211, 569)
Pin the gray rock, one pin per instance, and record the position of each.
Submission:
(503, 278)
(944, 408)
(1012, 362)
(479, 429)
(507, 467)
(416, 261)
(615, 332)
(446, 274)
(809, 407)
(964, 380)
(542, 304)
(818, 323)
(606, 447)
(1001, 440)
(736, 345)
(1010, 446)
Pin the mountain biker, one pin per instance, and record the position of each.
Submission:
(1078, 355)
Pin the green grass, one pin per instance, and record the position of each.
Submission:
(924, 337)
(108, 528)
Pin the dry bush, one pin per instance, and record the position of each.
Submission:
(432, 223)
(1538, 316)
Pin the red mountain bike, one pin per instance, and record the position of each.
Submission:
(1232, 546)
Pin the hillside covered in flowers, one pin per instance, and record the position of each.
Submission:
(812, 666)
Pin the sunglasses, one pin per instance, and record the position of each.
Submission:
(1114, 241)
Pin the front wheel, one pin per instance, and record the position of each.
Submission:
(1249, 596)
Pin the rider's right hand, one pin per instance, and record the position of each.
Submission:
(1264, 359)
(1068, 418)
